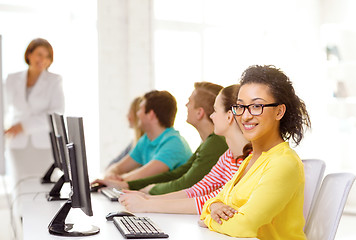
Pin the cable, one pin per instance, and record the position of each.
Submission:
(23, 180)
(12, 208)
(8, 200)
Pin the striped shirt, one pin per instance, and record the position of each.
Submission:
(213, 182)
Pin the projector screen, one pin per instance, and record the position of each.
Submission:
(2, 144)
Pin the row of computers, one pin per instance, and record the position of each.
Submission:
(69, 154)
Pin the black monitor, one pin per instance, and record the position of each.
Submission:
(80, 195)
(61, 145)
(56, 163)
(62, 141)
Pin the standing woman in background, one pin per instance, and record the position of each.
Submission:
(30, 96)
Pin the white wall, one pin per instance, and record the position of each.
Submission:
(125, 68)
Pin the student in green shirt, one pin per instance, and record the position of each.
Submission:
(199, 107)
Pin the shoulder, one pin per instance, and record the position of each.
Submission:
(16, 76)
(170, 132)
(171, 135)
(284, 151)
(52, 77)
(142, 140)
(214, 141)
(286, 158)
(226, 157)
(15, 80)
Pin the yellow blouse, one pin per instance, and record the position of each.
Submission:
(269, 198)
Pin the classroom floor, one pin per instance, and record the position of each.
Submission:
(346, 229)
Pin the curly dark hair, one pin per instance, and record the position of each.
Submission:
(296, 117)
(246, 151)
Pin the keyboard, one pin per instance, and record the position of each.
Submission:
(138, 227)
(112, 193)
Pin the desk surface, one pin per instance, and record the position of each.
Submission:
(37, 214)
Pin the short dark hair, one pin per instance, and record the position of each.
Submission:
(37, 43)
(206, 93)
(296, 117)
(163, 104)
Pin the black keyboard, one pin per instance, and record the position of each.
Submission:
(138, 227)
(112, 193)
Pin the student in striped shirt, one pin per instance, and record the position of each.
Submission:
(192, 199)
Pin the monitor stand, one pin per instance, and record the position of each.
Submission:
(60, 228)
(47, 177)
(55, 193)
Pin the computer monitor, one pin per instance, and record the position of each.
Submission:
(61, 142)
(80, 195)
(56, 163)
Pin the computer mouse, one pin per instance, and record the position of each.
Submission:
(111, 215)
(96, 186)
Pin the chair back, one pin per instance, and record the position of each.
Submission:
(328, 207)
(314, 173)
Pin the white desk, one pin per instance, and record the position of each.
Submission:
(37, 214)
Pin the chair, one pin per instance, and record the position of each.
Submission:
(326, 212)
(314, 173)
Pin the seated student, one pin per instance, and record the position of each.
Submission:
(265, 197)
(192, 199)
(133, 123)
(161, 148)
(199, 107)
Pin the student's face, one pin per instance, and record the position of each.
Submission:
(257, 128)
(220, 117)
(39, 59)
(131, 117)
(191, 109)
(142, 116)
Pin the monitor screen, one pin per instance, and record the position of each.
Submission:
(78, 164)
(57, 162)
(55, 153)
(78, 173)
(60, 147)
(62, 141)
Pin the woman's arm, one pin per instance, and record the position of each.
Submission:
(279, 182)
(137, 203)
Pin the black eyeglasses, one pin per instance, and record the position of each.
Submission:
(253, 109)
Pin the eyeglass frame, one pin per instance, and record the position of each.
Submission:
(248, 108)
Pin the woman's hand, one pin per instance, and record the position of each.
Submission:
(139, 193)
(133, 202)
(220, 210)
(112, 182)
(201, 223)
(14, 130)
(111, 174)
(147, 188)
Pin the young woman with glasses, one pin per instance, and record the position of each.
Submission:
(265, 197)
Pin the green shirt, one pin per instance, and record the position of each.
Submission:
(185, 176)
